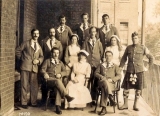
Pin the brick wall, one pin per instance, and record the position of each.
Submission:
(7, 54)
(49, 11)
(29, 19)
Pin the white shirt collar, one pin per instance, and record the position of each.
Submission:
(54, 61)
(59, 28)
(33, 44)
(53, 43)
(111, 64)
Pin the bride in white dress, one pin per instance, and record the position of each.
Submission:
(76, 87)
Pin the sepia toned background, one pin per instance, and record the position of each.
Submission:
(18, 17)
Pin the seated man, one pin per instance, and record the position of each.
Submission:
(53, 70)
(107, 73)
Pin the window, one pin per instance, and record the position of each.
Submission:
(124, 32)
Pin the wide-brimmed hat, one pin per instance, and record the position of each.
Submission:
(83, 52)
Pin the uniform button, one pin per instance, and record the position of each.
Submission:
(133, 62)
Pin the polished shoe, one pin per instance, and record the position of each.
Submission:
(58, 110)
(122, 108)
(136, 109)
(112, 102)
(93, 103)
(24, 106)
(103, 111)
(69, 98)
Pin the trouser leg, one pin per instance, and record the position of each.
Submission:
(60, 87)
(94, 84)
(58, 98)
(33, 88)
(104, 98)
(44, 90)
(24, 86)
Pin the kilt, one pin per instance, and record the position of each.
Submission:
(139, 84)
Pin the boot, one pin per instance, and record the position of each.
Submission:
(112, 102)
(135, 104)
(103, 111)
(58, 110)
(69, 98)
(125, 105)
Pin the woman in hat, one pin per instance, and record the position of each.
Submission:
(116, 48)
(71, 55)
(76, 86)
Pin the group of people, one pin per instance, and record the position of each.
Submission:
(74, 62)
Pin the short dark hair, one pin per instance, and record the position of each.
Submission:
(108, 52)
(105, 15)
(50, 29)
(54, 48)
(134, 34)
(33, 30)
(61, 16)
(92, 28)
(84, 14)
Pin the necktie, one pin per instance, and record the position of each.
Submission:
(84, 26)
(55, 61)
(106, 27)
(93, 42)
(61, 28)
(107, 64)
(51, 44)
(35, 46)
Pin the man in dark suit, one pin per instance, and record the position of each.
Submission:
(106, 31)
(31, 55)
(47, 44)
(53, 71)
(107, 73)
(134, 77)
(82, 29)
(94, 47)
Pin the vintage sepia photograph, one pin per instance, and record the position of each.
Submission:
(80, 57)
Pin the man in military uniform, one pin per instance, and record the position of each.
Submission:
(134, 78)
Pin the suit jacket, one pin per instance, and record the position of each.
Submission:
(106, 37)
(95, 53)
(82, 34)
(27, 54)
(64, 37)
(112, 72)
(135, 54)
(52, 69)
(47, 50)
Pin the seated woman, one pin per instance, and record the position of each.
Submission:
(76, 87)
(107, 73)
